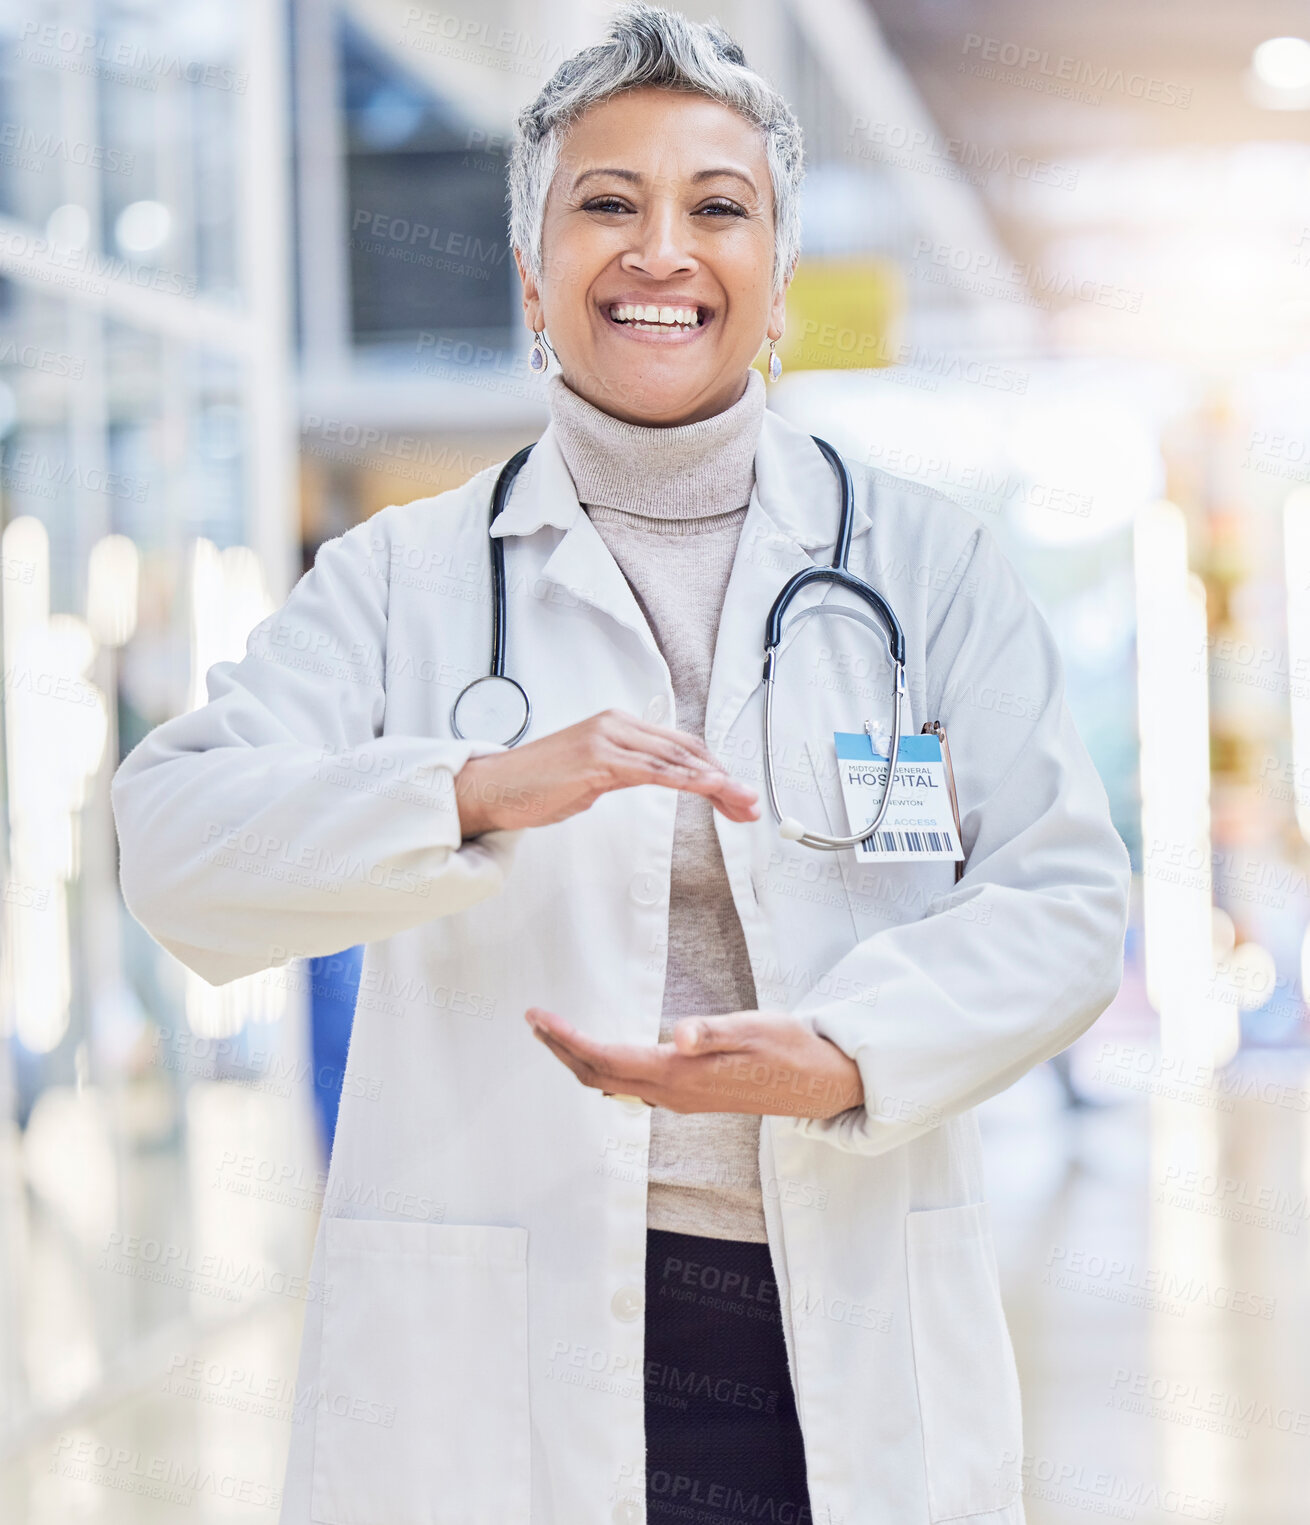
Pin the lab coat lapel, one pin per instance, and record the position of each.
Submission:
(793, 515)
(581, 564)
(791, 523)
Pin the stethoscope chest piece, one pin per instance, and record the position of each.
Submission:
(491, 708)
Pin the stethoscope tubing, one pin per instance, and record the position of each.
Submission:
(818, 839)
(499, 614)
(499, 611)
(838, 573)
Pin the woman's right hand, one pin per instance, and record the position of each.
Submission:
(559, 775)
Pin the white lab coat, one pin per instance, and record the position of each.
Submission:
(475, 1329)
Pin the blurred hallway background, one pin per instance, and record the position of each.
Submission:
(255, 285)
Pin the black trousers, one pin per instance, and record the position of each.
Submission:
(723, 1443)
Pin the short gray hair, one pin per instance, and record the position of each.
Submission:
(648, 45)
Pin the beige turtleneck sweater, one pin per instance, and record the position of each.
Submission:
(669, 503)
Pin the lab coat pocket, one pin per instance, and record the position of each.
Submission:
(964, 1363)
(425, 1323)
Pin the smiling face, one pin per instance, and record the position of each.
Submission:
(657, 257)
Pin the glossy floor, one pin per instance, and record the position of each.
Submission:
(1154, 1252)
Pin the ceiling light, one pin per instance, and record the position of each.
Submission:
(1279, 76)
(1283, 63)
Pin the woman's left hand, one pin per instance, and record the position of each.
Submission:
(743, 1061)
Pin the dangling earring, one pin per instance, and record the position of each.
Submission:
(538, 359)
(775, 365)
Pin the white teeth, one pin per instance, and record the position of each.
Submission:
(648, 316)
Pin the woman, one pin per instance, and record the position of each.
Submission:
(744, 1270)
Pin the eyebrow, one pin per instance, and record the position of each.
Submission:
(635, 177)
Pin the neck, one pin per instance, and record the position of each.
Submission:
(675, 471)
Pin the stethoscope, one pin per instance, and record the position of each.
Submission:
(496, 707)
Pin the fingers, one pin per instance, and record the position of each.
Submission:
(568, 770)
(680, 741)
(725, 1034)
(645, 1071)
(782, 1066)
(737, 801)
(646, 753)
(610, 1067)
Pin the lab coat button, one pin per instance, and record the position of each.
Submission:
(627, 1512)
(657, 710)
(628, 1303)
(647, 888)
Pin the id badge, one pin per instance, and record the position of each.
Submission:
(920, 825)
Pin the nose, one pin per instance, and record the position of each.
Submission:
(659, 250)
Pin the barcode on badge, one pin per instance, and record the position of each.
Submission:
(909, 842)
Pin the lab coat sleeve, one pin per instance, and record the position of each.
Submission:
(1026, 951)
(276, 820)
